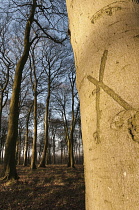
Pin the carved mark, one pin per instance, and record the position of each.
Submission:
(128, 118)
(107, 10)
(98, 111)
(111, 93)
(110, 9)
(114, 23)
(102, 66)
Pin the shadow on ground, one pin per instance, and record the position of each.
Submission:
(55, 187)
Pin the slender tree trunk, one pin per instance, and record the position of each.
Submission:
(9, 171)
(26, 137)
(105, 40)
(17, 150)
(46, 127)
(70, 153)
(34, 152)
(61, 153)
(26, 147)
(70, 145)
(28, 156)
(70, 139)
(54, 149)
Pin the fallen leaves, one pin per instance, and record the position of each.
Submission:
(55, 187)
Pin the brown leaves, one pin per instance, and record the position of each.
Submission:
(55, 187)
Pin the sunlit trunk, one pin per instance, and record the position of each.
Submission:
(105, 40)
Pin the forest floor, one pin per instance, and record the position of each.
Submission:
(55, 187)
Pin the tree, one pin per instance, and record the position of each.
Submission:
(74, 113)
(67, 105)
(53, 71)
(30, 105)
(27, 24)
(4, 129)
(9, 171)
(105, 41)
(34, 81)
(6, 65)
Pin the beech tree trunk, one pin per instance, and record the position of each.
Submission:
(105, 40)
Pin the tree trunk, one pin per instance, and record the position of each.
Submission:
(26, 137)
(53, 143)
(9, 171)
(46, 126)
(70, 139)
(105, 40)
(26, 147)
(61, 153)
(70, 153)
(34, 152)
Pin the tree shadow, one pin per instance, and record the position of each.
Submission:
(55, 187)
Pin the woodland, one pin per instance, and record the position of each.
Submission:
(41, 152)
(43, 162)
(54, 187)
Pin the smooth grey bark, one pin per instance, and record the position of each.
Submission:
(104, 37)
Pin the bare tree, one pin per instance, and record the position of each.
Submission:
(34, 80)
(68, 107)
(6, 65)
(9, 171)
(72, 79)
(53, 72)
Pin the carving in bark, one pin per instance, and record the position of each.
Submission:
(128, 119)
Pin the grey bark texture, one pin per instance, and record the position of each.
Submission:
(105, 41)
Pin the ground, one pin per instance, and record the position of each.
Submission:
(55, 187)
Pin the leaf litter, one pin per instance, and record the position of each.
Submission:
(54, 188)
